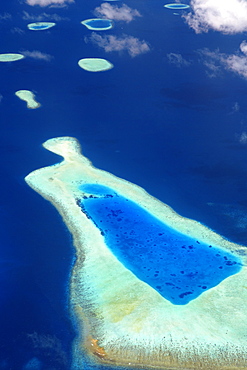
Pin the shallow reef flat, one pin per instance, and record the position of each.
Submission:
(120, 320)
(28, 97)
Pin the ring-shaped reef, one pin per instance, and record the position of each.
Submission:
(28, 97)
(40, 26)
(95, 64)
(176, 6)
(10, 57)
(98, 24)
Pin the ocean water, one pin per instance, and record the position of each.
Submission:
(171, 128)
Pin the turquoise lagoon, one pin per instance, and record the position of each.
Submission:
(179, 267)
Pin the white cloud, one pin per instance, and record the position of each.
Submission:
(243, 47)
(243, 138)
(213, 69)
(226, 16)
(30, 17)
(131, 44)
(43, 16)
(58, 5)
(212, 61)
(178, 60)
(236, 63)
(5, 17)
(123, 13)
(47, 2)
(17, 30)
(36, 54)
(236, 107)
(216, 61)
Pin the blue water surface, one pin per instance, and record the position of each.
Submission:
(179, 267)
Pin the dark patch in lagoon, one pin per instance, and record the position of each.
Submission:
(179, 267)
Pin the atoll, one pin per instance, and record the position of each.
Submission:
(121, 320)
(10, 57)
(95, 64)
(40, 26)
(176, 6)
(97, 24)
(28, 97)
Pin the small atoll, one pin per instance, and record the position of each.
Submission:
(95, 64)
(97, 24)
(10, 57)
(39, 26)
(176, 6)
(28, 97)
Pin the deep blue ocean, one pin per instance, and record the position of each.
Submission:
(172, 129)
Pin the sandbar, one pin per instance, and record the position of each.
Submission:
(98, 24)
(122, 321)
(10, 57)
(95, 64)
(29, 98)
(40, 26)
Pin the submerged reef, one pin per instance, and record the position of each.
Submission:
(39, 26)
(95, 64)
(120, 318)
(28, 97)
